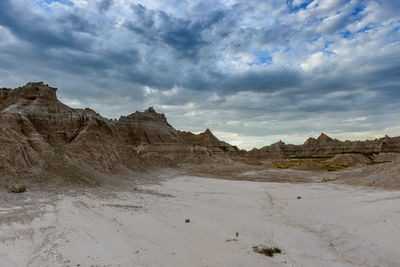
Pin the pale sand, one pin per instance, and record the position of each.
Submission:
(331, 225)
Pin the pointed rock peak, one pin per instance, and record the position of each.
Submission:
(279, 143)
(209, 134)
(207, 131)
(324, 138)
(310, 140)
(150, 110)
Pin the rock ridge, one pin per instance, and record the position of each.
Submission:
(325, 145)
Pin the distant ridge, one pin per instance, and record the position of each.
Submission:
(325, 145)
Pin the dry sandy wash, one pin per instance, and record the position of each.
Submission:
(331, 225)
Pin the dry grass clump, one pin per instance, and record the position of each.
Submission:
(281, 166)
(18, 188)
(328, 179)
(267, 251)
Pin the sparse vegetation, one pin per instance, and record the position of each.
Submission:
(377, 162)
(283, 166)
(187, 221)
(18, 188)
(319, 160)
(298, 197)
(218, 152)
(334, 167)
(314, 158)
(235, 238)
(328, 179)
(267, 251)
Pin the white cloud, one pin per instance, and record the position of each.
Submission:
(319, 61)
(79, 3)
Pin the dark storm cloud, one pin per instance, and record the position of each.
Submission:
(104, 5)
(40, 31)
(261, 81)
(77, 24)
(185, 36)
(283, 34)
(251, 68)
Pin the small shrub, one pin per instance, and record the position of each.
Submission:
(326, 179)
(187, 221)
(18, 188)
(234, 239)
(267, 251)
(298, 197)
(282, 166)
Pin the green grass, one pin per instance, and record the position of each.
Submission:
(377, 162)
(282, 166)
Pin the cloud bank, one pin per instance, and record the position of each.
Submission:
(252, 71)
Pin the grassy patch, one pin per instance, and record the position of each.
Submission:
(334, 167)
(320, 161)
(377, 162)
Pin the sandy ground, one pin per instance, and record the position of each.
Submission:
(331, 225)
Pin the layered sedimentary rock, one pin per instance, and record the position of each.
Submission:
(148, 127)
(171, 153)
(207, 139)
(40, 136)
(324, 145)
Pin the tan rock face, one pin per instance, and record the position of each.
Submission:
(147, 127)
(40, 136)
(207, 139)
(352, 159)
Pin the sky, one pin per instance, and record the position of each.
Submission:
(254, 72)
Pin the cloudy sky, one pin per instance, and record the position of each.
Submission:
(252, 71)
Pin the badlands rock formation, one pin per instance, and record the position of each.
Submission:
(207, 139)
(325, 145)
(41, 138)
(148, 127)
